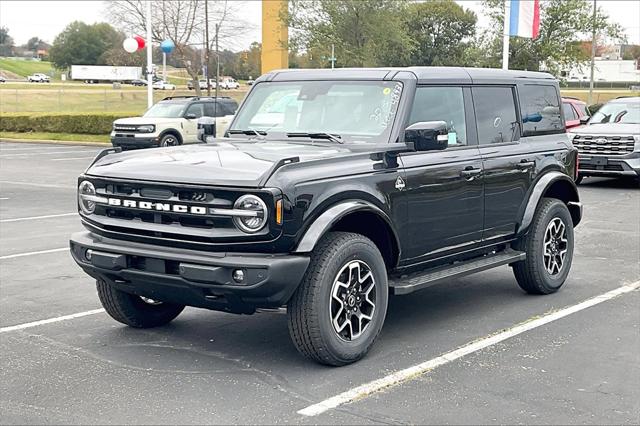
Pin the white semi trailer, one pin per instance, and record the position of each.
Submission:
(104, 73)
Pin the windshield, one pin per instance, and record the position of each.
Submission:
(355, 111)
(617, 112)
(165, 110)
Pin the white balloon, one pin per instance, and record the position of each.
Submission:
(130, 44)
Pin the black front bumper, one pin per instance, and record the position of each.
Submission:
(134, 143)
(189, 277)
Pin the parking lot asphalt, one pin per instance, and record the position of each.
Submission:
(210, 367)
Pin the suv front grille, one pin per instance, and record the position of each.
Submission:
(604, 145)
(170, 225)
(125, 128)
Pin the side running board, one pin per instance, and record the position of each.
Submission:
(419, 280)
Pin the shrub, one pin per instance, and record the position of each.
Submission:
(93, 123)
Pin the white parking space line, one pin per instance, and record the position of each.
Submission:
(22, 154)
(4, 198)
(33, 253)
(401, 376)
(73, 158)
(19, 219)
(50, 320)
(39, 185)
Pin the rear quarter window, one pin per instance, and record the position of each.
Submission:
(540, 110)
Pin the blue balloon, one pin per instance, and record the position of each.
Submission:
(167, 46)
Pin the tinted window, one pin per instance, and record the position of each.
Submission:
(195, 109)
(582, 110)
(569, 113)
(213, 110)
(441, 104)
(495, 114)
(540, 110)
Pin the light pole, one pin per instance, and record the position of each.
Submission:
(593, 53)
(149, 59)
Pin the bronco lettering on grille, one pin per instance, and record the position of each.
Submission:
(149, 205)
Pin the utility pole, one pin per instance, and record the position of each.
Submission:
(593, 53)
(333, 56)
(215, 104)
(505, 35)
(206, 49)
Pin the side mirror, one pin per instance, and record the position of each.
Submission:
(206, 128)
(585, 119)
(190, 116)
(427, 135)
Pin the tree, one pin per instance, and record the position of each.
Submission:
(441, 31)
(6, 42)
(364, 32)
(563, 24)
(183, 22)
(82, 44)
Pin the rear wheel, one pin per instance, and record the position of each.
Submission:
(135, 311)
(337, 312)
(549, 248)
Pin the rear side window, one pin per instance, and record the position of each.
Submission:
(569, 112)
(540, 109)
(495, 115)
(216, 109)
(441, 104)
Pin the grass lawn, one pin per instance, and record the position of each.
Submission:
(56, 136)
(599, 95)
(26, 67)
(51, 98)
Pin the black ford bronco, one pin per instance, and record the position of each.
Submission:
(332, 190)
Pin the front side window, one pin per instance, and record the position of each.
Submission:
(617, 112)
(540, 109)
(356, 111)
(569, 113)
(495, 114)
(441, 104)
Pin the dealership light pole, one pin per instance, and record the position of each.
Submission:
(149, 59)
(593, 53)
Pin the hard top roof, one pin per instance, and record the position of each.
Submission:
(184, 99)
(422, 74)
(626, 100)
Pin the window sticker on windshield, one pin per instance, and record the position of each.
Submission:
(386, 91)
(389, 104)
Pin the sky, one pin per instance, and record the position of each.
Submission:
(45, 19)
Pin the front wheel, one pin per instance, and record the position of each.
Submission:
(135, 311)
(168, 140)
(338, 310)
(549, 247)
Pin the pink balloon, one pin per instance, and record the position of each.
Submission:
(140, 42)
(130, 44)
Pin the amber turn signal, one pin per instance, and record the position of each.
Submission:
(279, 212)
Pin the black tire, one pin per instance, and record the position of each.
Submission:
(169, 140)
(533, 273)
(132, 310)
(309, 310)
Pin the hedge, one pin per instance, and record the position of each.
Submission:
(92, 123)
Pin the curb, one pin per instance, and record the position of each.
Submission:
(55, 142)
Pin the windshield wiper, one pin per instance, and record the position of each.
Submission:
(247, 132)
(317, 135)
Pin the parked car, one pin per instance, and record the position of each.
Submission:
(139, 82)
(164, 85)
(575, 111)
(201, 83)
(383, 182)
(229, 83)
(172, 121)
(609, 144)
(250, 82)
(39, 78)
(2, 79)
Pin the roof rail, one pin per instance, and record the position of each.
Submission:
(194, 97)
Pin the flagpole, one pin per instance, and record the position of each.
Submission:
(149, 58)
(505, 35)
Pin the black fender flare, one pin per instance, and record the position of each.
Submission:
(332, 215)
(538, 192)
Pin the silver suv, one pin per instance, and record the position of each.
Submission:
(609, 144)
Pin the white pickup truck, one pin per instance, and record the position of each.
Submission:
(39, 78)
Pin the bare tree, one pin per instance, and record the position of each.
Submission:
(181, 21)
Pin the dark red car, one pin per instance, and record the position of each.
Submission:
(575, 111)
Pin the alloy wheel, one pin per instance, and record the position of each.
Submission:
(555, 246)
(353, 300)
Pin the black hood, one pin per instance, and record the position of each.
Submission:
(224, 163)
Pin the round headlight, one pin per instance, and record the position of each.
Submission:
(257, 218)
(86, 191)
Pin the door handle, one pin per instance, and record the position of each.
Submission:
(524, 165)
(470, 173)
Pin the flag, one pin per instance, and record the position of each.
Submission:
(524, 19)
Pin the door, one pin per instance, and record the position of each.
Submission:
(508, 164)
(443, 189)
(190, 132)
